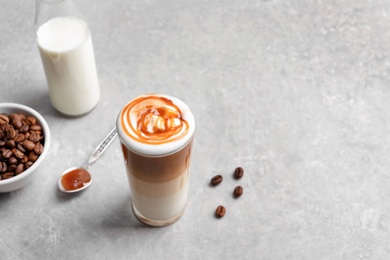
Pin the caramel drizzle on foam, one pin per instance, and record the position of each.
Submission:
(168, 116)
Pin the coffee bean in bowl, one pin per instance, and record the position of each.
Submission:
(24, 144)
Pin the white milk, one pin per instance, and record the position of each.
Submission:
(66, 50)
(169, 200)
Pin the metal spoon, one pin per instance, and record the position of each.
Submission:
(79, 182)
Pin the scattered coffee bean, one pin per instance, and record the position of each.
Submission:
(238, 173)
(220, 211)
(238, 191)
(21, 143)
(217, 179)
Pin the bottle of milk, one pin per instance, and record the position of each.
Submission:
(65, 45)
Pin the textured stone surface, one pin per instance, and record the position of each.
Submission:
(296, 92)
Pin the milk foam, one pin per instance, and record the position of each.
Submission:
(127, 125)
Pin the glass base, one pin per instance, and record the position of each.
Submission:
(158, 222)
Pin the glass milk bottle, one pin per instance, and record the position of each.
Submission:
(65, 45)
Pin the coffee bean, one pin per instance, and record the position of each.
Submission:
(20, 146)
(19, 169)
(28, 165)
(18, 154)
(24, 159)
(3, 167)
(238, 191)
(28, 145)
(38, 148)
(35, 128)
(4, 118)
(24, 129)
(31, 120)
(12, 160)
(238, 173)
(10, 143)
(6, 154)
(22, 117)
(32, 156)
(7, 175)
(220, 211)
(11, 132)
(217, 179)
(34, 137)
(19, 138)
(12, 168)
(17, 123)
(13, 117)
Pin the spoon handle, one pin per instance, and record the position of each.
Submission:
(102, 146)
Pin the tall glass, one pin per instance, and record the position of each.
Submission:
(65, 45)
(156, 134)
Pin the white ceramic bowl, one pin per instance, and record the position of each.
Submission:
(25, 177)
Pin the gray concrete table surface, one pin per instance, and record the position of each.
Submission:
(295, 92)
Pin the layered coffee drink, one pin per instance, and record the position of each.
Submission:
(156, 134)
